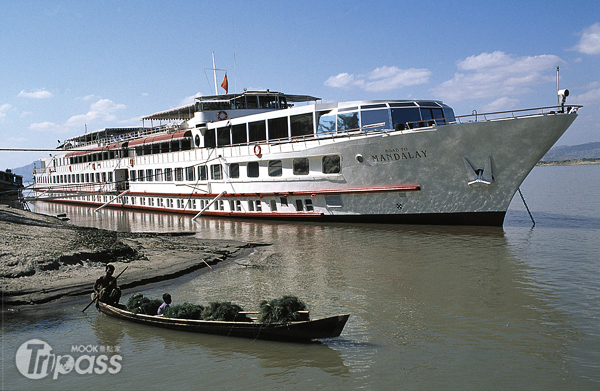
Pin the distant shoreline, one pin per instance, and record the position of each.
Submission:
(574, 162)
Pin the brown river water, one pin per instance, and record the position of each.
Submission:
(432, 307)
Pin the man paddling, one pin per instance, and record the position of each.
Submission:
(106, 287)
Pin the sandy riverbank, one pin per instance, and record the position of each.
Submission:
(43, 259)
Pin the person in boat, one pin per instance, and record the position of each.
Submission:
(163, 307)
(106, 289)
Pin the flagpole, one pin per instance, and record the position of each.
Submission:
(215, 74)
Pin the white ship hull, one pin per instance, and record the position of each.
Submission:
(459, 173)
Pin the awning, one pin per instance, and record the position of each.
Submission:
(96, 150)
(161, 138)
(184, 112)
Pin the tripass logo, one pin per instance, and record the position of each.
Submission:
(36, 360)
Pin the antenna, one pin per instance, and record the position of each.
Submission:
(214, 69)
(557, 87)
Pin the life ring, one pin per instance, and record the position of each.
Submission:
(131, 162)
(221, 115)
(70, 168)
(257, 150)
(93, 166)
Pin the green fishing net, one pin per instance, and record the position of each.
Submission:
(138, 304)
(281, 310)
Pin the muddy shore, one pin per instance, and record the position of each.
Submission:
(43, 259)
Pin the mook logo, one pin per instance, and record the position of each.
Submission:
(35, 360)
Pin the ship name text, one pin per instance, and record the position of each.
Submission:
(398, 154)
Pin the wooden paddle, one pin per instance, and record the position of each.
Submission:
(96, 297)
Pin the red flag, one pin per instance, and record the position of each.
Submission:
(225, 84)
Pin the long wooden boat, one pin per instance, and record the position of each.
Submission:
(296, 331)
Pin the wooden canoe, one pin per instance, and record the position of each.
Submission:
(300, 331)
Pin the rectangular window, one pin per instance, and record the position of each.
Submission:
(252, 170)
(257, 131)
(210, 140)
(179, 174)
(202, 173)
(141, 175)
(301, 125)
(347, 121)
(190, 174)
(326, 122)
(158, 175)
(251, 206)
(300, 166)
(332, 164)
(299, 206)
(168, 174)
(273, 205)
(375, 119)
(406, 117)
(278, 128)
(110, 177)
(238, 206)
(223, 136)
(234, 170)
(97, 177)
(238, 134)
(275, 168)
(149, 175)
(309, 205)
(215, 172)
(258, 206)
(283, 201)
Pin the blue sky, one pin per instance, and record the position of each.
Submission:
(68, 64)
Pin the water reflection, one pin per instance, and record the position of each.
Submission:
(460, 302)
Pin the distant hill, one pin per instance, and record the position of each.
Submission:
(26, 172)
(573, 152)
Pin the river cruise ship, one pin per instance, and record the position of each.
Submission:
(269, 155)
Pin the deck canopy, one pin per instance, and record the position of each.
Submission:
(183, 112)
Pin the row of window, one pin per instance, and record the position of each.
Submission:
(330, 164)
(300, 205)
(401, 116)
(98, 177)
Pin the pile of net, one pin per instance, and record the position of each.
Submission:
(224, 311)
(282, 310)
(138, 304)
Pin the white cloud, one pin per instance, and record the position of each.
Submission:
(590, 97)
(87, 97)
(501, 104)
(39, 94)
(5, 108)
(47, 127)
(101, 111)
(16, 140)
(497, 74)
(189, 100)
(381, 79)
(590, 40)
